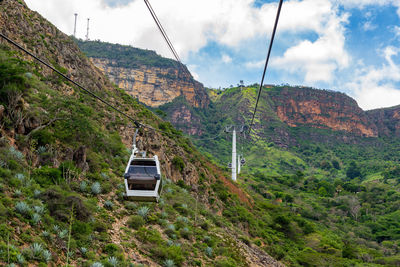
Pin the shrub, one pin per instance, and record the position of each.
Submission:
(47, 175)
(111, 249)
(136, 222)
(96, 188)
(130, 206)
(178, 163)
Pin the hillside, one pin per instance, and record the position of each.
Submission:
(318, 153)
(143, 74)
(328, 168)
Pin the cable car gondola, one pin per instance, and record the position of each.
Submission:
(242, 161)
(142, 176)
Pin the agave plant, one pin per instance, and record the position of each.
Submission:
(108, 204)
(171, 227)
(169, 263)
(96, 188)
(38, 209)
(63, 234)
(22, 208)
(16, 154)
(46, 235)
(169, 190)
(3, 164)
(113, 261)
(182, 219)
(36, 218)
(17, 193)
(20, 259)
(47, 255)
(56, 228)
(209, 251)
(20, 176)
(170, 242)
(37, 250)
(104, 176)
(36, 193)
(83, 250)
(83, 186)
(97, 264)
(41, 150)
(143, 212)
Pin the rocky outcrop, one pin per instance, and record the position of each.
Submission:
(154, 86)
(184, 119)
(387, 120)
(321, 109)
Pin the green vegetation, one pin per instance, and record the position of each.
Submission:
(61, 183)
(125, 56)
(323, 202)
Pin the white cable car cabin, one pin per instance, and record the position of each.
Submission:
(142, 177)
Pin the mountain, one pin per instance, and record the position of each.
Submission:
(62, 157)
(328, 168)
(387, 120)
(143, 74)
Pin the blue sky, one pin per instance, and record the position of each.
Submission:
(352, 46)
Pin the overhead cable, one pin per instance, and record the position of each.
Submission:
(137, 123)
(70, 80)
(161, 28)
(266, 63)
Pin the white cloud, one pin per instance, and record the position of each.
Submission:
(396, 30)
(319, 59)
(369, 26)
(190, 24)
(226, 59)
(255, 64)
(375, 87)
(360, 4)
(192, 70)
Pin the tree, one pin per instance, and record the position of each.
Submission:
(353, 170)
(354, 206)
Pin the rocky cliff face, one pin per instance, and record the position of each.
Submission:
(145, 75)
(321, 109)
(387, 120)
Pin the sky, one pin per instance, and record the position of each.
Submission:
(352, 46)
